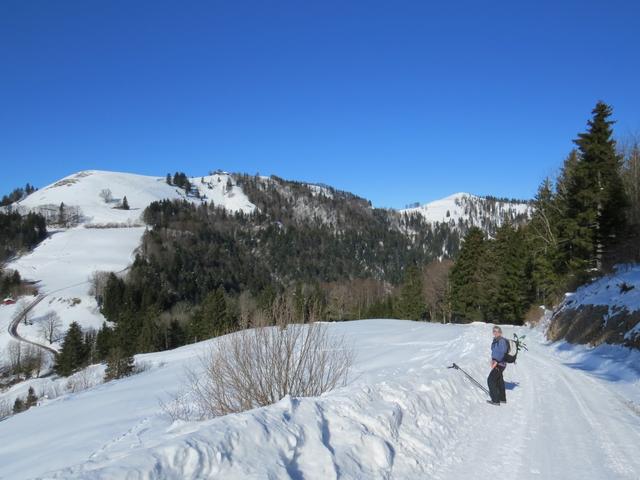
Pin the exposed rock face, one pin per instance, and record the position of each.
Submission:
(595, 324)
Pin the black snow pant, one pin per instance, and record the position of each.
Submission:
(496, 385)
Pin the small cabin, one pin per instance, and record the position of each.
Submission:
(8, 301)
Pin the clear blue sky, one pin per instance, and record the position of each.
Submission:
(396, 101)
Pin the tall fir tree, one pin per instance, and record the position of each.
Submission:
(73, 354)
(596, 200)
(411, 304)
(119, 364)
(511, 295)
(466, 278)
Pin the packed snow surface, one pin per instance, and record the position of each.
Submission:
(572, 413)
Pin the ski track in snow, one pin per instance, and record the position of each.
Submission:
(403, 416)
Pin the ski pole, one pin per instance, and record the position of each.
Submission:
(471, 378)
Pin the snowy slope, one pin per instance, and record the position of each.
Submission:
(605, 310)
(83, 190)
(62, 264)
(610, 291)
(475, 210)
(403, 416)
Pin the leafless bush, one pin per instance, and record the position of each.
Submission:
(258, 367)
(5, 408)
(106, 195)
(14, 354)
(82, 380)
(24, 360)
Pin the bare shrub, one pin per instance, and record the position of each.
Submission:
(106, 195)
(258, 367)
(14, 354)
(82, 380)
(6, 409)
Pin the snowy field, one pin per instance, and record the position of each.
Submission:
(573, 413)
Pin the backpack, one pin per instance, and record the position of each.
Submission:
(513, 347)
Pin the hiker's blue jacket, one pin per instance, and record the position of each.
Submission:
(499, 349)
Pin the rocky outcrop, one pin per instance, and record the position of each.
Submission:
(595, 324)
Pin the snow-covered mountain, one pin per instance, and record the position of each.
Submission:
(403, 415)
(464, 210)
(102, 238)
(84, 190)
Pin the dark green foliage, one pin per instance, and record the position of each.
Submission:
(411, 303)
(594, 202)
(577, 225)
(174, 335)
(104, 342)
(18, 405)
(468, 278)
(17, 195)
(168, 179)
(125, 203)
(181, 180)
(19, 232)
(492, 279)
(73, 354)
(32, 399)
(119, 364)
(212, 317)
(9, 282)
(509, 290)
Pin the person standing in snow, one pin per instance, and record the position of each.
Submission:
(499, 349)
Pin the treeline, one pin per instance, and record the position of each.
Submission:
(581, 226)
(10, 283)
(20, 232)
(17, 195)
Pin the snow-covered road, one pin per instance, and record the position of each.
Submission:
(560, 422)
(572, 414)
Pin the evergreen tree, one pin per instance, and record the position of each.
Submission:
(466, 278)
(18, 405)
(119, 364)
(73, 354)
(148, 339)
(31, 400)
(168, 180)
(509, 287)
(62, 215)
(175, 335)
(596, 200)
(411, 304)
(212, 318)
(104, 342)
(125, 203)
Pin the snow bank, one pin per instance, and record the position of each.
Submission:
(400, 414)
(619, 290)
(403, 415)
(606, 310)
